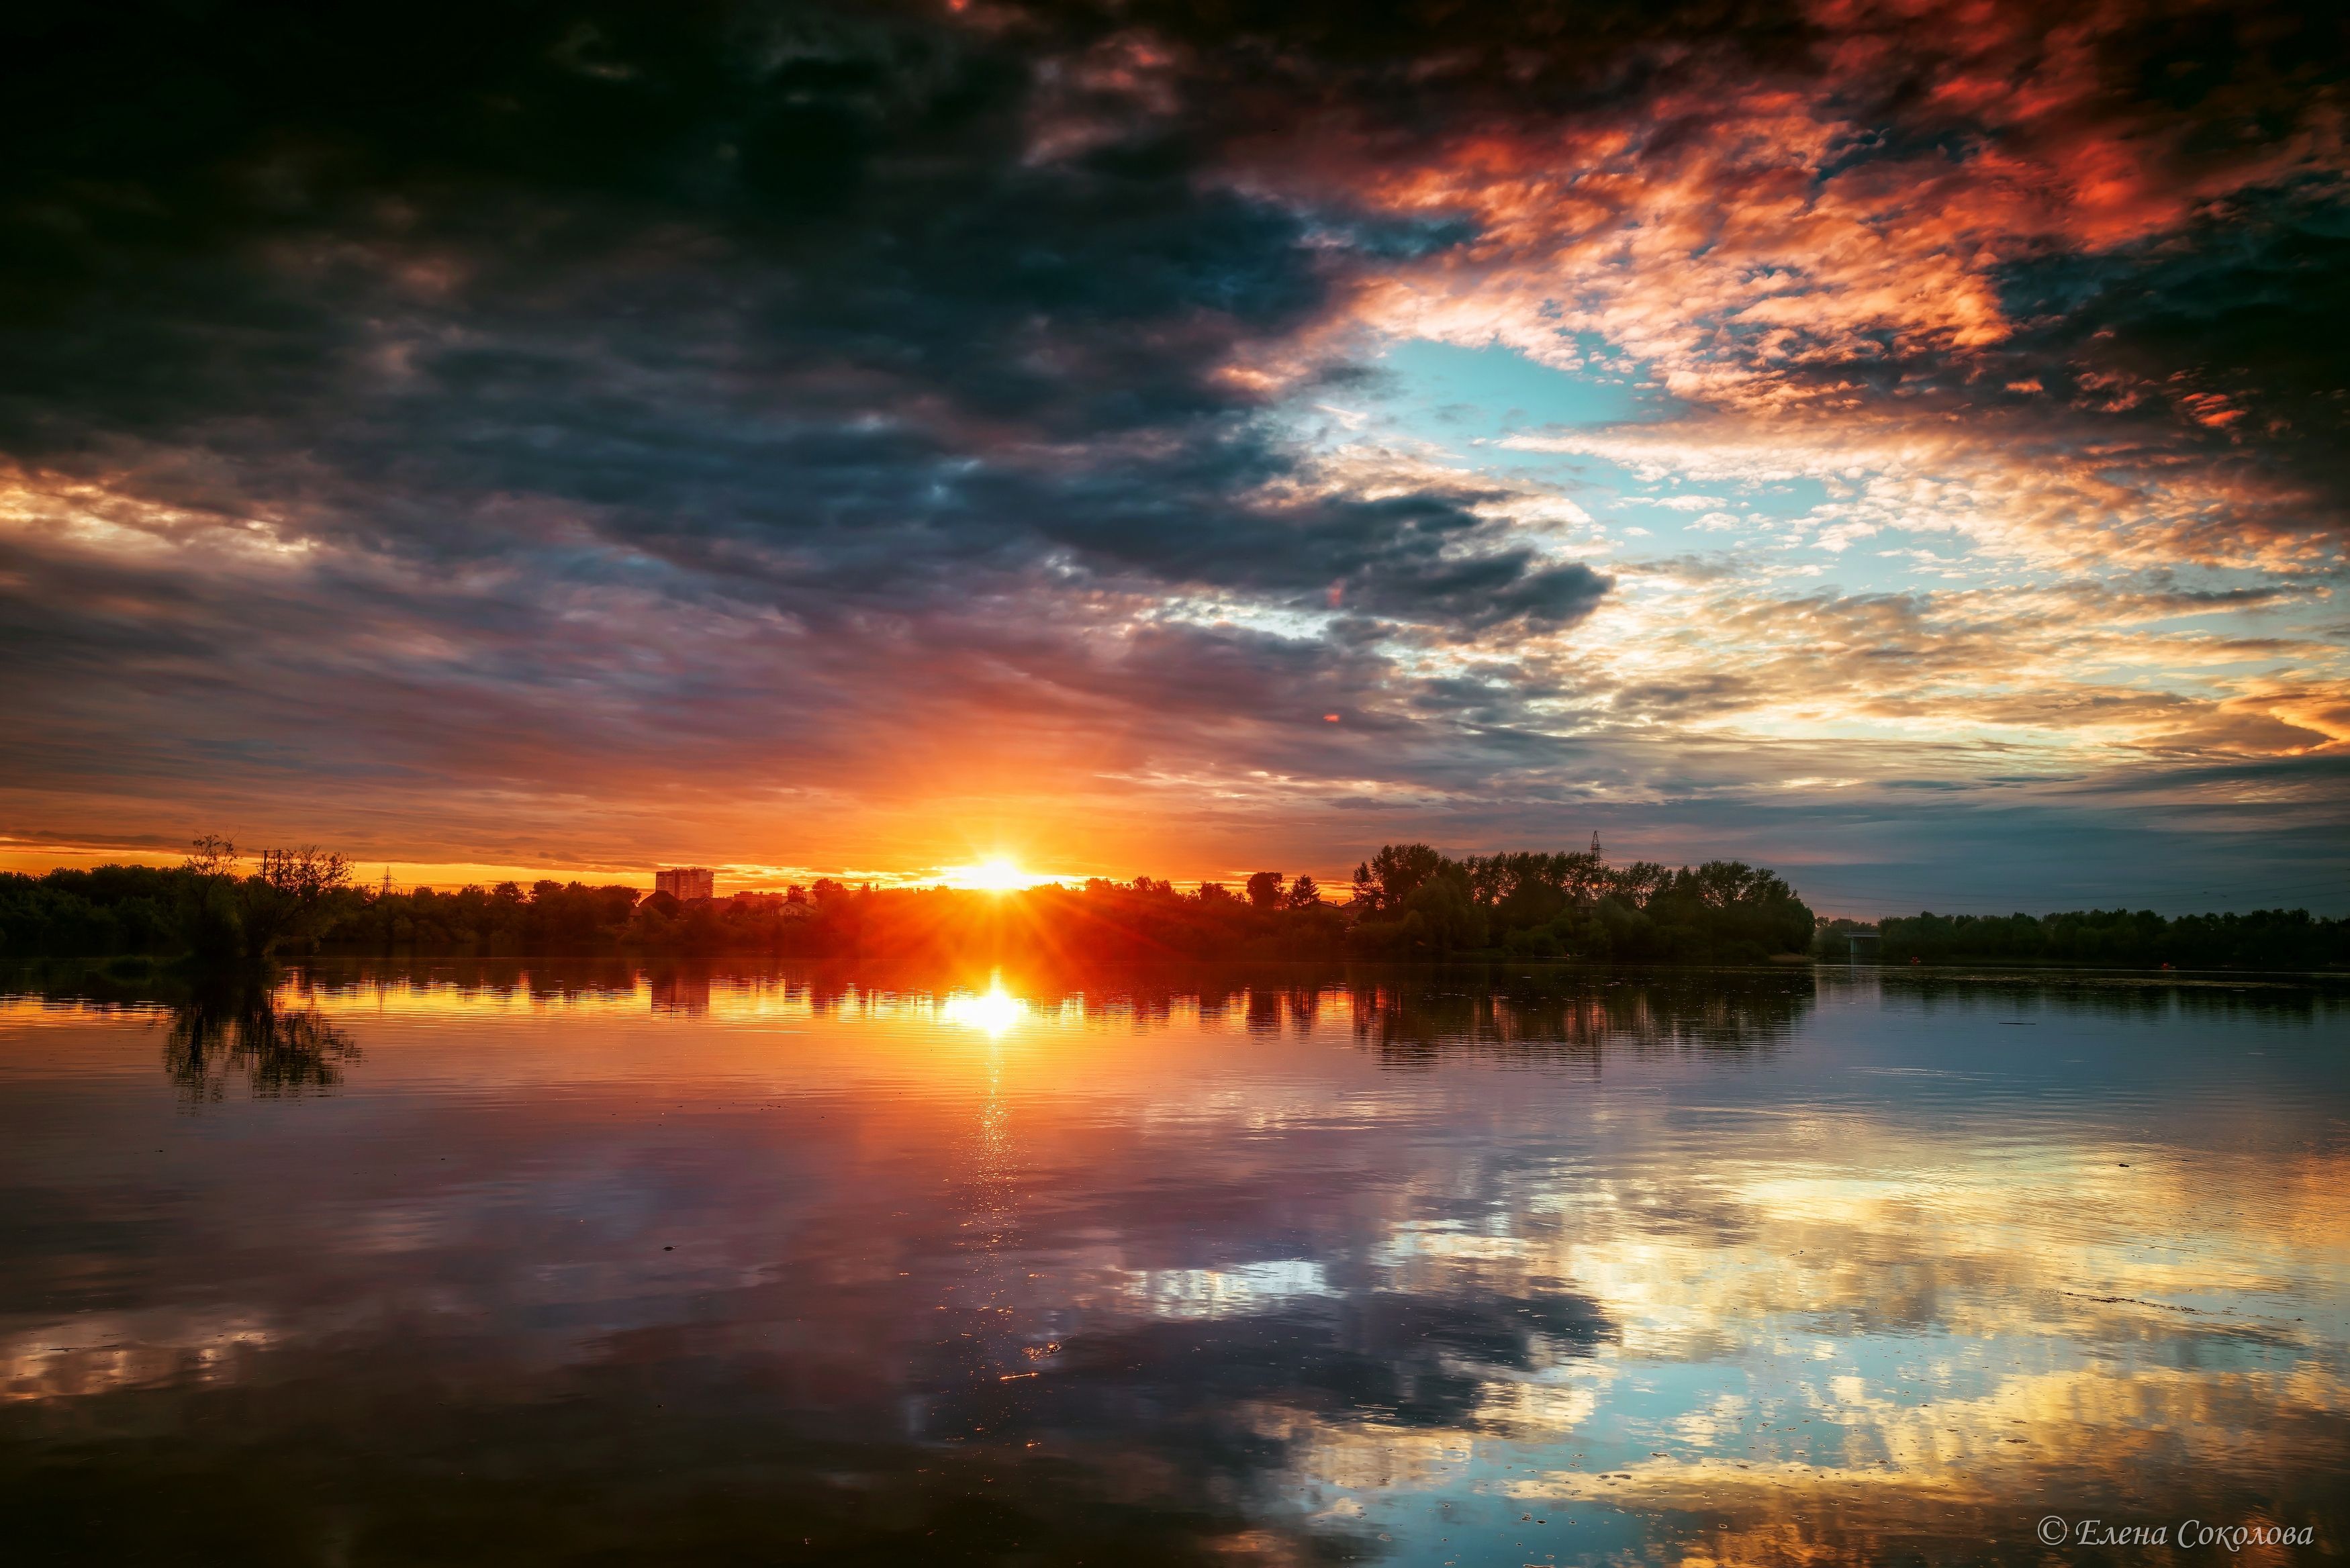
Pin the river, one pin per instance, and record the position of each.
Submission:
(600, 1263)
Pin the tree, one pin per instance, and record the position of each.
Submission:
(292, 897)
(1264, 889)
(1440, 914)
(1304, 894)
(1387, 879)
(210, 917)
(212, 856)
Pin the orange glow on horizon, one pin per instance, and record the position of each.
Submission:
(599, 866)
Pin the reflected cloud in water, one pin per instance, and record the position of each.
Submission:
(1447, 1265)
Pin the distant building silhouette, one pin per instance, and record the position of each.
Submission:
(684, 882)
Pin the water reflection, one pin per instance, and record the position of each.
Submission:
(682, 993)
(1412, 1020)
(1435, 1267)
(236, 1027)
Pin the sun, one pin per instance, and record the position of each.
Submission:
(995, 874)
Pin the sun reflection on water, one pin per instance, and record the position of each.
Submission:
(994, 1011)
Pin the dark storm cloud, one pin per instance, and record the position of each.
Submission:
(2234, 334)
(779, 293)
(505, 385)
(2108, 226)
(801, 270)
(549, 399)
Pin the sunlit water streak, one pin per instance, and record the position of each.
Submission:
(1440, 1268)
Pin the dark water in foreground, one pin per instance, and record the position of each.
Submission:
(581, 1266)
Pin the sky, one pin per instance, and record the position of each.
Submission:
(1903, 444)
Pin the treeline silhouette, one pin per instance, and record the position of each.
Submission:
(205, 907)
(1407, 901)
(2112, 939)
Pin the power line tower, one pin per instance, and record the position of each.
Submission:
(385, 890)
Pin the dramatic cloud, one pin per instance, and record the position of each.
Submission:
(831, 436)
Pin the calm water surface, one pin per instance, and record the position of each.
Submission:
(574, 1264)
